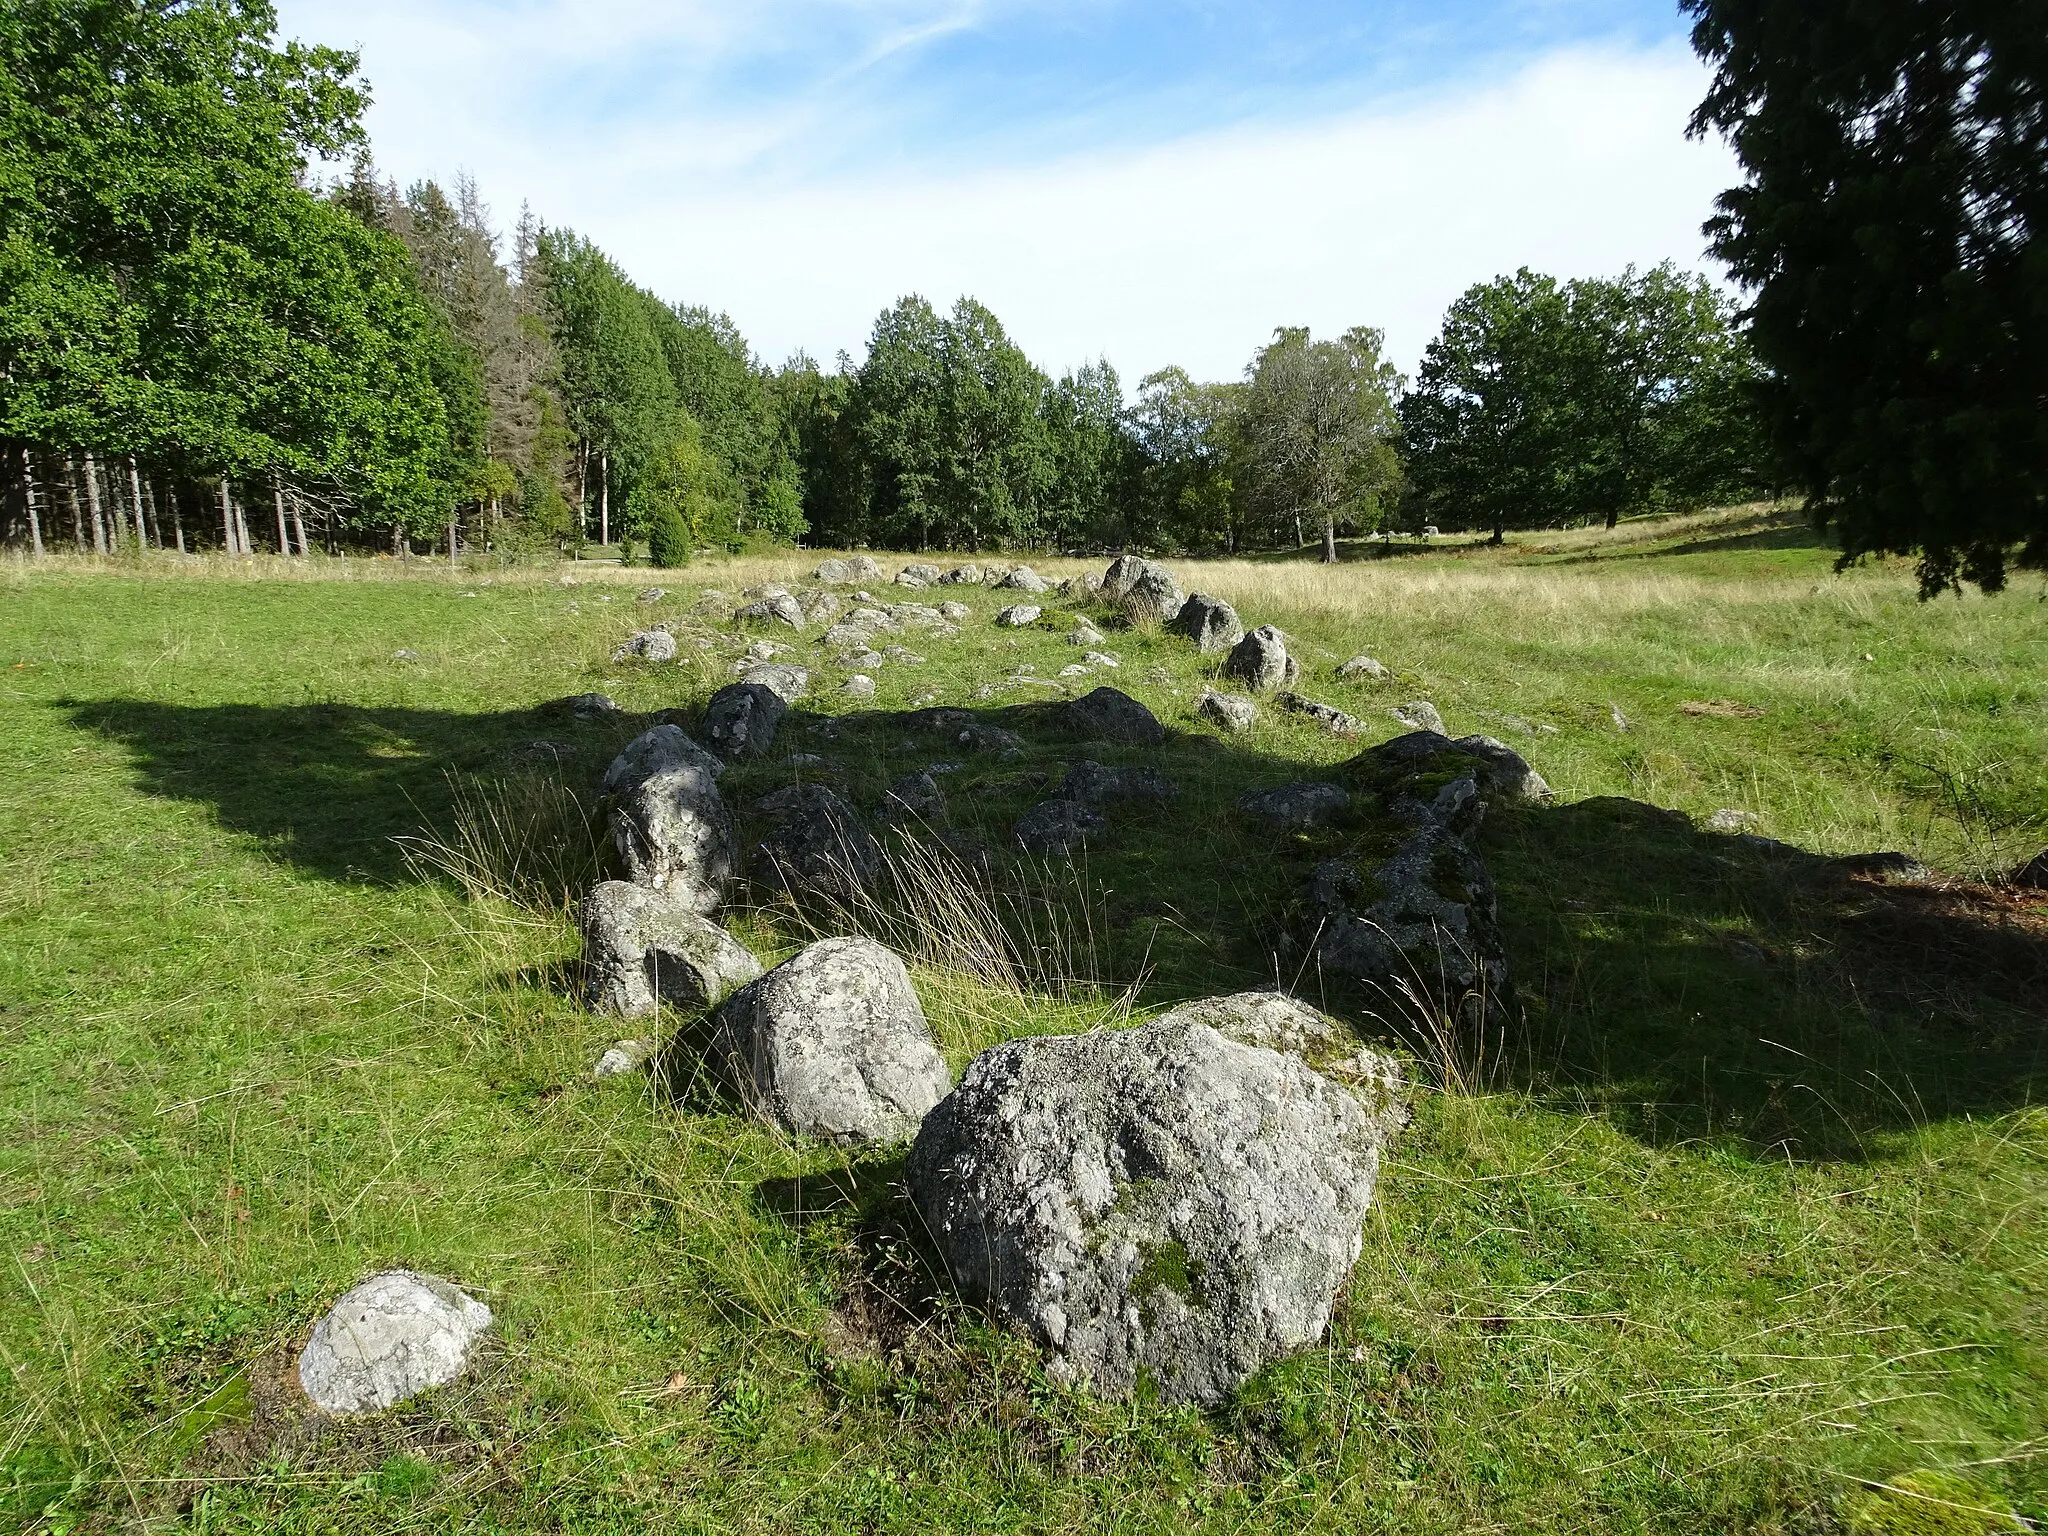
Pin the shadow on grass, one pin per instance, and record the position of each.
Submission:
(1693, 986)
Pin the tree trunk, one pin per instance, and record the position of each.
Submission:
(92, 492)
(451, 538)
(227, 519)
(246, 544)
(28, 486)
(1299, 537)
(77, 512)
(177, 515)
(1499, 534)
(299, 527)
(156, 516)
(1613, 516)
(135, 504)
(1329, 541)
(604, 498)
(284, 539)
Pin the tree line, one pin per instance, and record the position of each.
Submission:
(205, 340)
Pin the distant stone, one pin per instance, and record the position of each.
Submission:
(914, 795)
(405, 655)
(1101, 659)
(642, 946)
(1094, 785)
(1364, 666)
(647, 645)
(1153, 596)
(1886, 868)
(1413, 767)
(742, 718)
(1110, 715)
(1260, 661)
(624, 1056)
(776, 610)
(858, 686)
(1018, 615)
(1291, 807)
(1080, 589)
(590, 706)
(1231, 711)
(1085, 634)
(651, 594)
(1728, 821)
(1328, 716)
(788, 683)
(1058, 826)
(849, 570)
(902, 657)
(861, 660)
(1164, 1204)
(968, 575)
(1620, 720)
(1421, 715)
(1024, 579)
(668, 819)
(917, 576)
(834, 1044)
(1210, 622)
(955, 613)
(765, 650)
(389, 1339)
(819, 846)
(820, 607)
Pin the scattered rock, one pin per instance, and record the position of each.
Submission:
(1260, 661)
(1085, 634)
(590, 706)
(955, 613)
(819, 846)
(1417, 765)
(1420, 716)
(1024, 579)
(1210, 622)
(1075, 669)
(764, 650)
(1364, 666)
(642, 946)
(1018, 615)
(1614, 713)
(1228, 710)
(1887, 868)
(834, 1044)
(1082, 588)
(405, 655)
(1162, 1202)
(847, 571)
(903, 657)
(391, 1338)
(1729, 821)
(742, 718)
(1328, 716)
(1725, 709)
(861, 661)
(859, 686)
(1152, 596)
(1110, 715)
(820, 607)
(668, 820)
(1092, 784)
(968, 575)
(917, 576)
(787, 683)
(778, 610)
(1293, 806)
(1058, 826)
(914, 795)
(1101, 659)
(624, 1056)
(651, 594)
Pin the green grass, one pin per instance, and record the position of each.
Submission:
(1739, 1227)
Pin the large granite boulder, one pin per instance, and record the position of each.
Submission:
(1152, 596)
(849, 570)
(834, 1044)
(1278, 1022)
(1019, 615)
(819, 846)
(1109, 714)
(1232, 712)
(1260, 661)
(391, 1338)
(642, 947)
(1417, 765)
(787, 682)
(669, 821)
(1210, 622)
(1164, 1202)
(778, 609)
(1024, 579)
(742, 718)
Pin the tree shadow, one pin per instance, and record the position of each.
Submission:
(1692, 985)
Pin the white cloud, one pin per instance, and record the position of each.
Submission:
(770, 204)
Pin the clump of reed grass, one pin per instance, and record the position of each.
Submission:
(525, 838)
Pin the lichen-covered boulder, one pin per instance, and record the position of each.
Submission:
(818, 846)
(669, 821)
(1293, 806)
(1058, 826)
(742, 718)
(642, 947)
(1210, 622)
(1260, 661)
(1162, 1201)
(1328, 716)
(849, 570)
(1365, 667)
(1019, 615)
(1233, 712)
(917, 574)
(779, 609)
(1152, 596)
(968, 575)
(834, 1044)
(1278, 1022)
(391, 1338)
(914, 796)
(1109, 714)
(1092, 783)
(1420, 715)
(647, 645)
(1417, 765)
(788, 683)
(1024, 579)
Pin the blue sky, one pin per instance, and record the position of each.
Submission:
(1151, 182)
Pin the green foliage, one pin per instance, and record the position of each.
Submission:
(683, 499)
(1316, 432)
(1929, 1503)
(1186, 437)
(1890, 228)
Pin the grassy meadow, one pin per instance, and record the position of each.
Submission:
(1738, 1228)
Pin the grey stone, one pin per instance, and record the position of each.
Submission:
(1328, 716)
(1210, 622)
(1614, 713)
(902, 656)
(624, 1056)
(1152, 596)
(1162, 1202)
(1292, 806)
(1082, 588)
(1401, 769)
(833, 1043)
(1094, 785)
(1108, 714)
(1231, 711)
(668, 820)
(861, 660)
(1364, 666)
(1729, 821)
(818, 846)
(917, 575)
(1024, 579)
(647, 645)
(1018, 615)
(776, 610)
(1260, 661)
(1277, 1022)
(1505, 774)
(1420, 715)
(788, 683)
(742, 718)
(821, 607)
(388, 1339)
(1085, 634)
(1058, 826)
(651, 594)
(858, 686)
(916, 796)
(590, 706)
(968, 575)
(1887, 868)
(1121, 573)
(641, 947)
(844, 572)
(1101, 659)
(955, 613)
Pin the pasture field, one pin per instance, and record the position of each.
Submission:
(1739, 1227)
